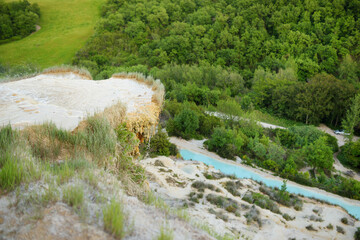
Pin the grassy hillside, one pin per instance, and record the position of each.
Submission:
(65, 26)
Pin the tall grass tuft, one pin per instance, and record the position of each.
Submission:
(73, 196)
(50, 143)
(114, 219)
(82, 72)
(11, 173)
(166, 233)
(99, 137)
(12, 169)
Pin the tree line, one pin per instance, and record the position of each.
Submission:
(17, 19)
(296, 59)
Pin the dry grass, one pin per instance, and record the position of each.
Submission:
(115, 114)
(82, 72)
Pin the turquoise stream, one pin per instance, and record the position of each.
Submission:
(240, 172)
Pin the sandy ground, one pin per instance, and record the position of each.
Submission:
(66, 99)
(172, 180)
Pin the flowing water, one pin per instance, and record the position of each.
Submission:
(240, 172)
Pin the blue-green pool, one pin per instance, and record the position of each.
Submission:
(240, 172)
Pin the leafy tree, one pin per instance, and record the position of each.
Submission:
(18, 19)
(319, 155)
(185, 124)
(352, 117)
(349, 69)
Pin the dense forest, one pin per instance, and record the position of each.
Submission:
(17, 19)
(295, 59)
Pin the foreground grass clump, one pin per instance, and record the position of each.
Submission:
(74, 196)
(166, 233)
(64, 30)
(50, 143)
(14, 167)
(114, 219)
(11, 174)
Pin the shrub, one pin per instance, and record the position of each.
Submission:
(287, 217)
(330, 226)
(232, 186)
(340, 230)
(184, 124)
(114, 219)
(160, 145)
(310, 228)
(344, 220)
(357, 234)
(222, 202)
(253, 215)
(201, 186)
(261, 201)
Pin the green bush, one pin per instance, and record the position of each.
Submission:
(357, 234)
(350, 155)
(226, 142)
(18, 18)
(160, 145)
(184, 124)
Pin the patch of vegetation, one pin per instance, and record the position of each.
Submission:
(160, 145)
(217, 175)
(114, 219)
(253, 215)
(316, 218)
(310, 228)
(330, 226)
(357, 234)
(194, 197)
(233, 186)
(344, 220)
(340, 230)
(9, 73)
(14, 167)
(201, 186)
(219, 214)
(166, 233)
(287, 217)
(261, 201)
(11, 174)
(222, 202)
(350, 155)
(282, 197)
(18, 19)
(74, 196)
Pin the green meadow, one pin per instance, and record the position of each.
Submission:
(65, 27)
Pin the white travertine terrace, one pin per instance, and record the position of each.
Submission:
(67, 99)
